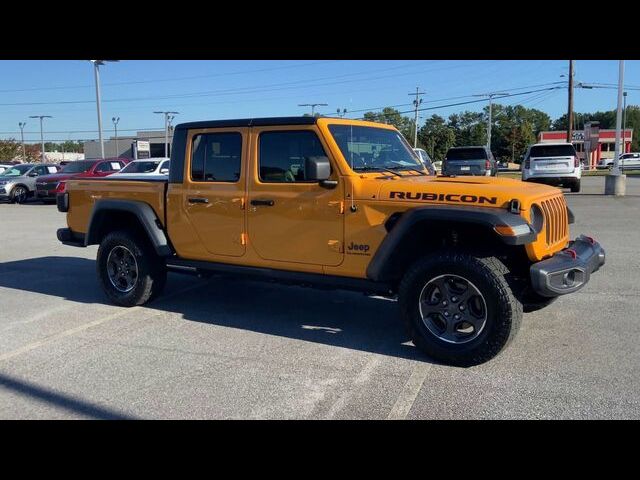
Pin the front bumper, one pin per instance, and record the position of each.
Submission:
(569, 270)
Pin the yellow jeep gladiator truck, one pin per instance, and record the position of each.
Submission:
(337, 203)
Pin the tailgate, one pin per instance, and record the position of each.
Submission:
(552, 164)
(465, 167)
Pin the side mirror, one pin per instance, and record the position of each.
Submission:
(33, 174)
(164, 171)
(317, 168)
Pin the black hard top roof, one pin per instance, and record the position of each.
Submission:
(249, 122)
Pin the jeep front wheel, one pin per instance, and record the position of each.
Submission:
(129, 270)
(459, 308)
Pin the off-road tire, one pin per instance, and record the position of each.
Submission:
(503, 310)
(575, 186)
(151, 276)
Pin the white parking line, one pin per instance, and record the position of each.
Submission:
(72, 331)
(409, 392)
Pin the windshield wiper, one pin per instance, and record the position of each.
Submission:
(377, 169)
(412, 169)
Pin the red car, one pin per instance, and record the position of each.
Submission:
(48, 186)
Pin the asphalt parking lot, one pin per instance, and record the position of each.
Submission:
(239, 349)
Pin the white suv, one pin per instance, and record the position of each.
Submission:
(628, 161)
(553, 164)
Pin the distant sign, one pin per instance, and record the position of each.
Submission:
(577, 136)
(141, 149)
(592, 135)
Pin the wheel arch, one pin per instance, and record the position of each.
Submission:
(109, 215)
(421, 230)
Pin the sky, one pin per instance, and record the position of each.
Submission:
(219, 89)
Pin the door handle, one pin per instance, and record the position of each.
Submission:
(198, 200)
(265, 203)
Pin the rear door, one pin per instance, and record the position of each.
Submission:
(213, 193)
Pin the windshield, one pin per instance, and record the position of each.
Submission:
(77, 167)
(16, 171)
(140, 167)
(466, 154)
(553, 151)
(371, 148)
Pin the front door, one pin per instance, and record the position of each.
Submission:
(291, 219)
(213, 191)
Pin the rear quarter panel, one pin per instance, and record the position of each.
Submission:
(83, 194)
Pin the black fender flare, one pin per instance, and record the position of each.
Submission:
(142, 211)
(380, 264)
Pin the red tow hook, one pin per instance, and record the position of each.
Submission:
(571, 252)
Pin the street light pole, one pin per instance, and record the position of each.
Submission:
(115, 121)
(22, 125)
(96, 73)
(570, 104)
(615, 181)
(41, 117)
(168, 116)
(624, 119)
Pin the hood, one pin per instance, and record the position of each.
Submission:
(478, 191)
(13, 178)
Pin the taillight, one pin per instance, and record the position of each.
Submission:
(61, 187)
(487, 164)
(576, 162)
(527, 164)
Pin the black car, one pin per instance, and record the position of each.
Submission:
(469, 161)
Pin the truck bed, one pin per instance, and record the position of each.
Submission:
(84, 193)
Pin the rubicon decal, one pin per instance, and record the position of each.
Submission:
(444, 197)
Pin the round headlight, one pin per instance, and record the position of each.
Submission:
(537, 218)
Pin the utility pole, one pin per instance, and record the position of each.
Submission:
(490, 97)
(115, 121)
(41, 117)
(22, 125)
(313, 106)
(570, 106)
(416, 103)
(168, 116)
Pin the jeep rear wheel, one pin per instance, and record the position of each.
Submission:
(129, 269)
(458, 308)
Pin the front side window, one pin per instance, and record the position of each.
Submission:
(216, 157)
(78, 166)
(108, 167)
(371, 148)
(282, 155)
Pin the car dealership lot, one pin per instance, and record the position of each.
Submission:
(241, 349)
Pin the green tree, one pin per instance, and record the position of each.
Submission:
(10, 149)
(391, 116)
(437, 137)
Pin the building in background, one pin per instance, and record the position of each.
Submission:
(141, 145)
(606, 143)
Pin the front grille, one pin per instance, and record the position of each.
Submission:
(556, 220)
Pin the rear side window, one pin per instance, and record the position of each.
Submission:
(109, 167)
(467, 154)
(552, 151)
(216, 157)
(282, 155)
